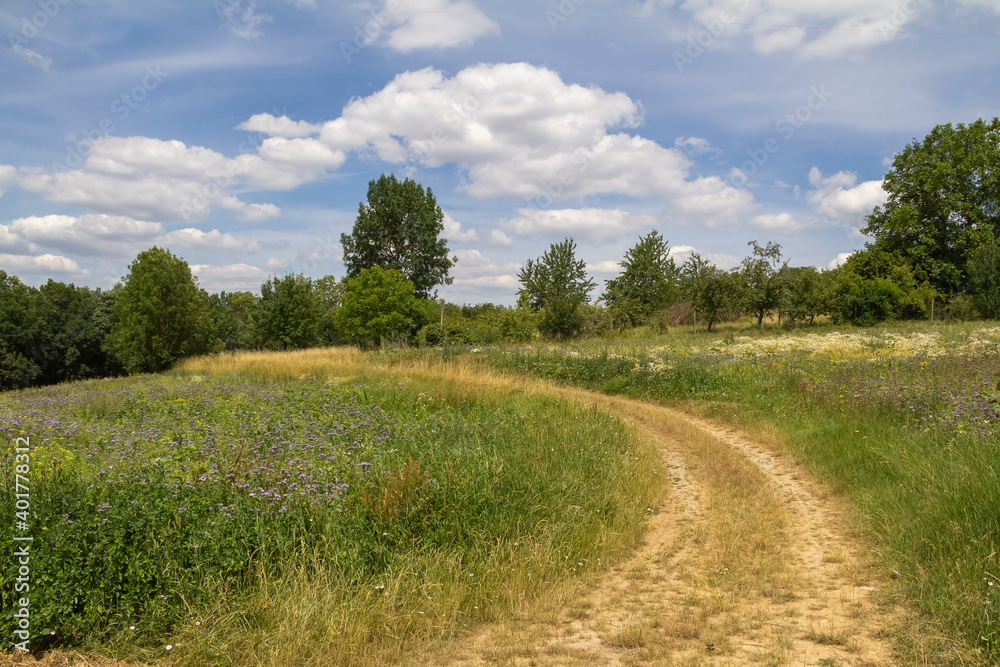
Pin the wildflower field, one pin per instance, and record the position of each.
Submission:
(238, 518)
(903, 420)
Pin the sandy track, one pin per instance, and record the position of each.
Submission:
(797, 593)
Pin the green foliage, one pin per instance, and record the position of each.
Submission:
(647, 283)
(399, 228)
(378, 304)
(161, 314)
(288, 313)
(73, 324)
(233, 315)
(556, 285)
(807, 293)
(714, 294)
(983, 269)
(943, 202)
(865, 302)
(762, 280)
(18, 333)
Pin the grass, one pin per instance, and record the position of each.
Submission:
(312, 508)
(901, 420)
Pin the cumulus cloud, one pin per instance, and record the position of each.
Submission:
(278, 126)
(839, 260)
(229, 277)
(607, 267)
(781, 222)
(453, 231)
(498, 238)
(593, 224)
(437, 24)
(475, 269)
(695, 146)
(8, 175)
(852, 27)
(190, 237)
(842, 199)
(43, 264)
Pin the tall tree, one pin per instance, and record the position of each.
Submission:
(233, 316)
(399, 228)
(944, 202)
(762, 280)
(714, 294)
(18, 333)
(74, 323)
(557, 285)
(287, 316)
(378, 304)
(647, 283)
(162, 315)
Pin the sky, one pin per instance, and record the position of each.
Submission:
(242, 135)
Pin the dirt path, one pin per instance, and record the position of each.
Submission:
(747, 561)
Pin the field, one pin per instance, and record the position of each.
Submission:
(488, 506)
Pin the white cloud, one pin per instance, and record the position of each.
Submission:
(90, 235)
(781, 222)
(242, 18)
(841, 199)
(282, 126)
(44, 264)
(498, 238)
(32, 57)
(852, 27)
(276, 264)
(839, 260)
(607, 266)
(8, 176)
(695, 146)
(681, 253)
(213, 240)
(596, 225)
(453, 231)
(437, 24)
(229, 277)
(475, 269)
(514, 129)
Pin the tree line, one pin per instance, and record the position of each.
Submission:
(936, 245)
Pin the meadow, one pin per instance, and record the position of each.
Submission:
(351, 516)
(902, 420)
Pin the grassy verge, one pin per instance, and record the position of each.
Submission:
(309, 508)
(904, 423)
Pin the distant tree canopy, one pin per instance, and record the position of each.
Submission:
(944, 202)
(378, 304)
(287, 315)
(647, 283)
(162, 315)
(557, 285)
(399, 228)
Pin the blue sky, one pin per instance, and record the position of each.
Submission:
(242, 135)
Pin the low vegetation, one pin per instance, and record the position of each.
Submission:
(347, 517)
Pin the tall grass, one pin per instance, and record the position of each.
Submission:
(366, 511)
(905, 426)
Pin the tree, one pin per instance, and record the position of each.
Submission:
(73, 325)
(761, 276)
(807, 293)
(330, 292)
(399, 228)
(378, 304)
(233, 316)
(556, 284)
(944, 202)
(162, 315)
(712, 292)
(647, 283)
(984, 280)
(287, 316)
(18, 333)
